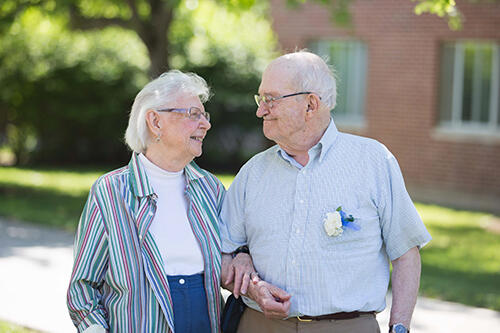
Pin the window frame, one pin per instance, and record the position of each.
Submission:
(474, 126)
(358, 76)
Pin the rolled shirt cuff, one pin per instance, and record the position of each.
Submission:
(94, 329)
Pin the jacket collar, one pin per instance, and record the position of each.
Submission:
(139, 179)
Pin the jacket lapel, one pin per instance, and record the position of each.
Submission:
(152, 259)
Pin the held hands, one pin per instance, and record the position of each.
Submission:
(240, 271)
(273, 301)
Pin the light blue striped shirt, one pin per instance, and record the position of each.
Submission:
(278, 208)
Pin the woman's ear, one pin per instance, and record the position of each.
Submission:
(153, 121)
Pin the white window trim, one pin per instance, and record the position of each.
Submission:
(467, 132)
(473, 127)
(355, 119)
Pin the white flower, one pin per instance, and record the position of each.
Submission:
(333, 224)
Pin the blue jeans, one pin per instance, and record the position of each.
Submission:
(190, 303)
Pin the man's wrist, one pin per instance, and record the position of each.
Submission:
(398, 328)
(241, 249)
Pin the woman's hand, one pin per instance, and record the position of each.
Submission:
(240, 271)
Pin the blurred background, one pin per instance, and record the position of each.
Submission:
(422, 77)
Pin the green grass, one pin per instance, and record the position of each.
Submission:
(49, 197)
(461, 264)
(6, 327)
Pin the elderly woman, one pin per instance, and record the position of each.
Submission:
(147, 249)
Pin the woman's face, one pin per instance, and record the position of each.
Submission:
(182, 137)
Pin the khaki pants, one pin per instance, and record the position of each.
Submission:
(254, 322)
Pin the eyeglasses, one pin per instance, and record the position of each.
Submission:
(268, 100)
(193, 113)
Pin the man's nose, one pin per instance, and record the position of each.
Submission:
(262, 110)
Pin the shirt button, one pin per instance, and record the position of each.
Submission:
(182, 281)
(304, 172)
(293, 261)
(297, 231)
(301, 201)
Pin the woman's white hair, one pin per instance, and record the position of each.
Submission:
(167, 87)
(312, 73)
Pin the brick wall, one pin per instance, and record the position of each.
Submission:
(402, 92)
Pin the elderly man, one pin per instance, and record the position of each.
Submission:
(322, 213)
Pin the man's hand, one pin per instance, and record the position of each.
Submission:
(237, 273)
(273, 301)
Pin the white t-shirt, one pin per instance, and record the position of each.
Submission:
(170, 227)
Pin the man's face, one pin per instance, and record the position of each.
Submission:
(286, 117)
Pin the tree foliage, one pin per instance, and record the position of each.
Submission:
(67, 94)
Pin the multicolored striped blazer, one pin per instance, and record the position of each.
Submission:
(118, 279)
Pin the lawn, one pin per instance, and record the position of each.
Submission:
(12, 328)
(461, 264)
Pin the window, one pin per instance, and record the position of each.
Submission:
(470, 86)
(349, 62)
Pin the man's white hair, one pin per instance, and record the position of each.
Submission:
(166, 88)
(312, 73)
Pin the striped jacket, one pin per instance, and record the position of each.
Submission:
(118, 279)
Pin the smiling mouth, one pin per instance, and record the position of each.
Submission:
(197, 138)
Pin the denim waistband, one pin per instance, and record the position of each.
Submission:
(185, 281)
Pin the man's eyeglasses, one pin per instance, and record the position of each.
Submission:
(268, 100)
(193, 113)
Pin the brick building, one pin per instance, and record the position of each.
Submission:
(431, 95)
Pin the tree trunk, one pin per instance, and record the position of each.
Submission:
(155, 38)
(158, 55)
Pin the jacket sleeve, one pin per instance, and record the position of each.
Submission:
(84, 296)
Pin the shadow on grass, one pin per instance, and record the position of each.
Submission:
(462, 264)
(472, 288)
(49, 208)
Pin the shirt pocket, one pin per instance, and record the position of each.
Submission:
(352, 242)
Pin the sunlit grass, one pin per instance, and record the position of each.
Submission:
(69, 182)
(6, 327)
(460, 264)
(49, 197)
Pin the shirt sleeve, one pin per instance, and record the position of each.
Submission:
(402, 227)
(233, 234)
(95, 329)
(84, 297)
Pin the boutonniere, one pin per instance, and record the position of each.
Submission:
(336, 222)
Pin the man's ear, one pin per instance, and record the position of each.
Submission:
(312, 104)
(153, 121)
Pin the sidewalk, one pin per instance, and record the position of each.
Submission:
(35, 266)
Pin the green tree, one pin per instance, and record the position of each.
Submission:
(149, 19)
(66, 94)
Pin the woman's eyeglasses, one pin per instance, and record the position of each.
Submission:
(193, 113)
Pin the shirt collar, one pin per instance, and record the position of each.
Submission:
(139, 180)
(327, 140)
(324, 144)
(193, 172)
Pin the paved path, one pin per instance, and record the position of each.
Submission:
(35, 265)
